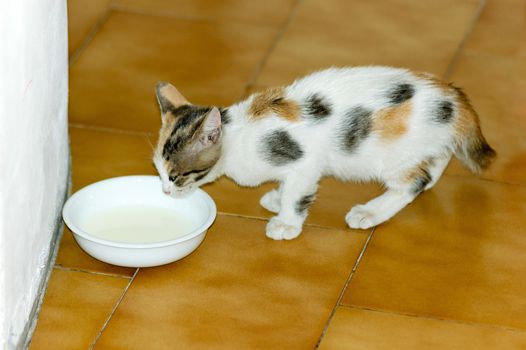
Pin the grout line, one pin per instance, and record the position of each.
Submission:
(249, 217)
(110, 130)
(243, 216)
(113, 310)
(73, 269)
(89, 37)
(429, 317)
(344, 289)
(281, 31)
(460, 47)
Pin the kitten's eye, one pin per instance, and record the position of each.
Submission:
(172, 178)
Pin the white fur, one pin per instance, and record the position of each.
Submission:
(374, 159)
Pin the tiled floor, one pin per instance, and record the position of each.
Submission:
(446, 273)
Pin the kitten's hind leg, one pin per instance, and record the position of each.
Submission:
(380, 209)
(296, 194)
(401, 191)
(436, 168)
(271, 201)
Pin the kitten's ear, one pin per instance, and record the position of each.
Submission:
(211, 129)
(168, 97)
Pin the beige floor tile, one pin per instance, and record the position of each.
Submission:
(497, 28)
(369, 330)
(98, 155)
(112, 82)
(273, 12)
(71, 256)
(82, 18)
(75, 308)
(457, 252)
(239, 290)
(405, 33)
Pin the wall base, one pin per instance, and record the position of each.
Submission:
(25, 337)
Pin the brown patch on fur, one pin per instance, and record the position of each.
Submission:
(475, 151)
(391, 123)
(467, 119)
(273, 101)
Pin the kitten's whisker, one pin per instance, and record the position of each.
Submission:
(150, 143)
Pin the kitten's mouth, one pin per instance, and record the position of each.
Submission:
(179, 193)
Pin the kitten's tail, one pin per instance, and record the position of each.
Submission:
(471, 146)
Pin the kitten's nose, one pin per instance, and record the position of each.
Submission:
(166, 190)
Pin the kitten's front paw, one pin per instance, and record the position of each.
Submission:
(360, 217)
(270, 201)
(278, 230)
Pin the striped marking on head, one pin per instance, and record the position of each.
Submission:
(188, 119)
(273, 101)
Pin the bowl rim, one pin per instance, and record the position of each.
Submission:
(192, 234)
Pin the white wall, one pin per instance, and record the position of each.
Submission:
(34, 153)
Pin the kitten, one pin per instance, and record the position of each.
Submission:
(365, 123)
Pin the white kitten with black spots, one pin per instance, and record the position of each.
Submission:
(363, 124)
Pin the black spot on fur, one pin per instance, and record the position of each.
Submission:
(225, 117)
(421, 181)
(304, 203)
(444, 112)
(401, 93)
(279, 148)
(317, 107)
(199, 173)
(355, 128)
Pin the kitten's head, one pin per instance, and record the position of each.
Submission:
(189, 141)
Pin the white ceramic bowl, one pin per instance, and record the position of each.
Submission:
(137, 190)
